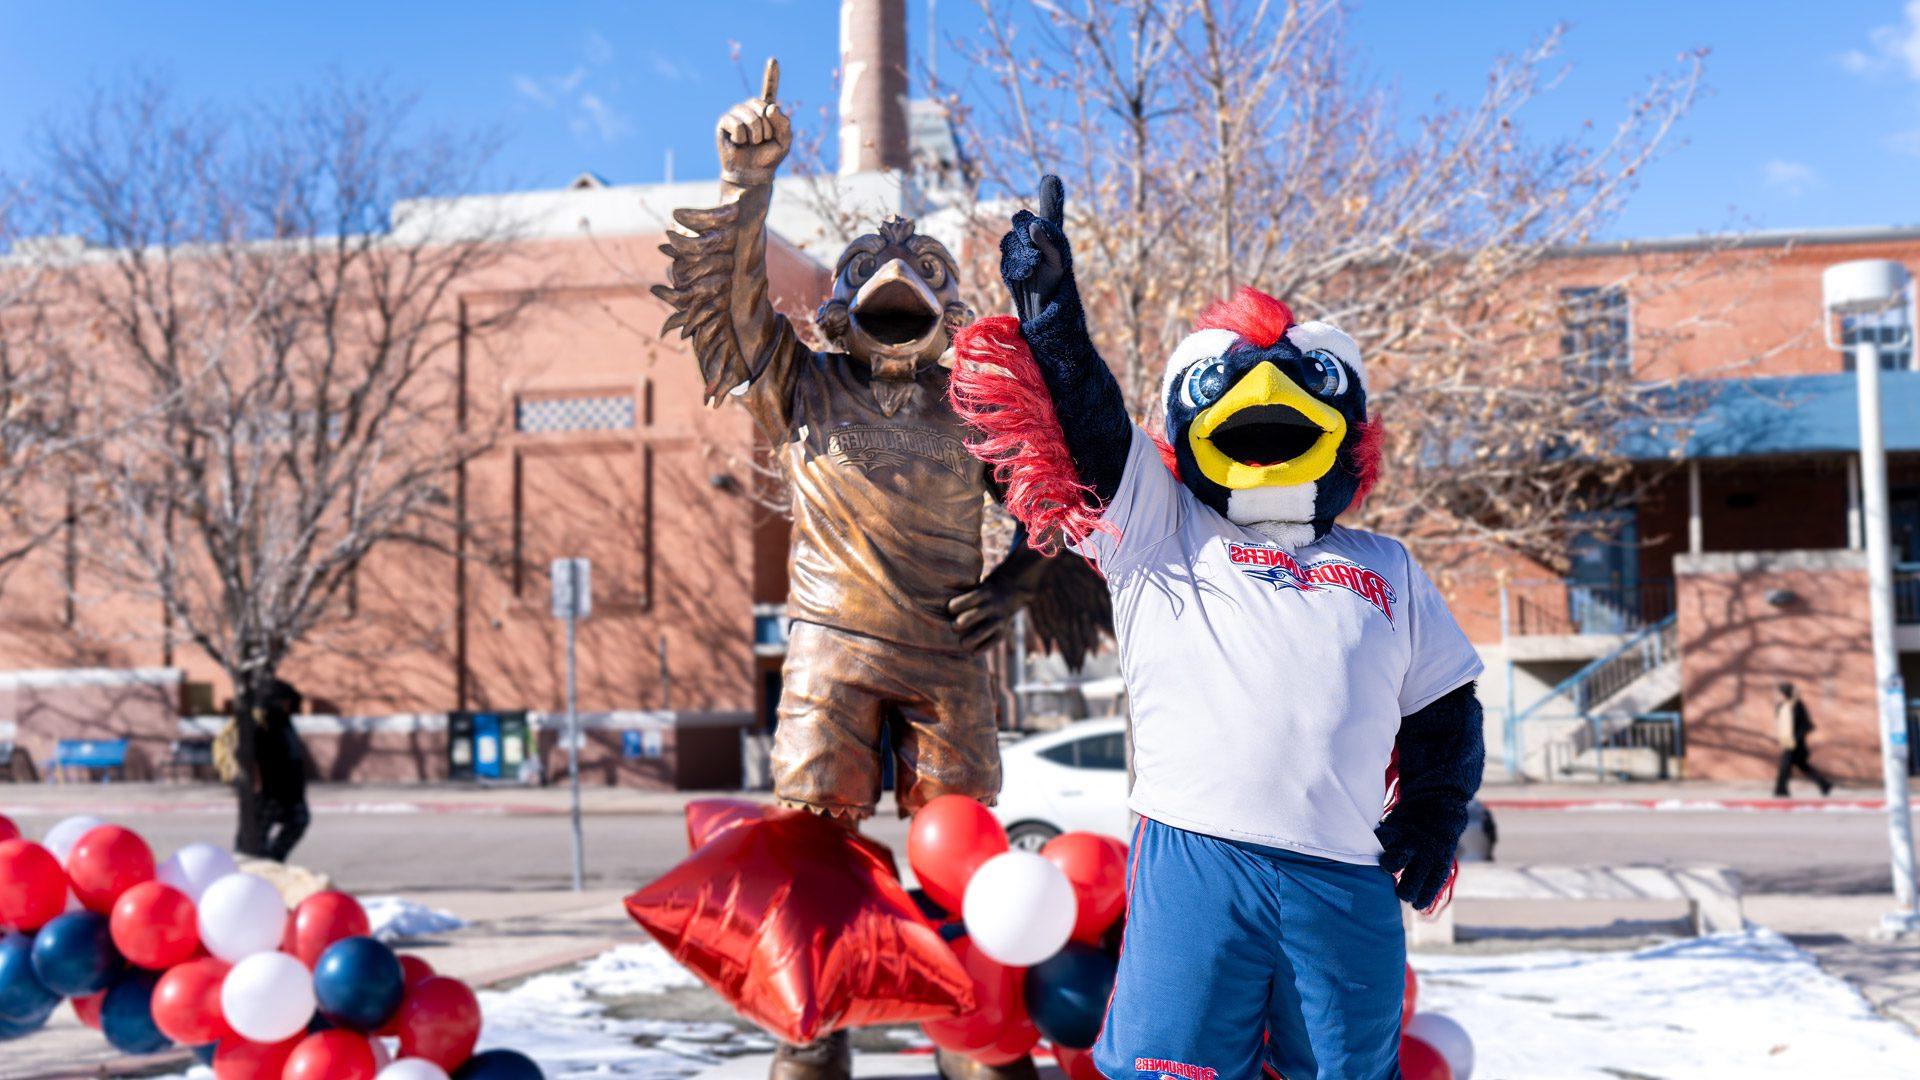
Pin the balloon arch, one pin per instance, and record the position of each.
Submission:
(194, 953)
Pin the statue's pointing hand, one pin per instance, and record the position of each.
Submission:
(1035, 259)
(755, 135)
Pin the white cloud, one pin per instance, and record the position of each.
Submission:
(606, 119)
(1891, 48)
(599, 50)
(577, 95)
(1905, 143)
(669, 69)
(1795, 178)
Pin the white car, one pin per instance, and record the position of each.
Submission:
(1071, 780)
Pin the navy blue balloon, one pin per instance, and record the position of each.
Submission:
(126, 1015)
(74, 955)
(204, 1054)
(498, 1065)
(358, 983)
(1067, 994)
(14, 1029)
(22, 995)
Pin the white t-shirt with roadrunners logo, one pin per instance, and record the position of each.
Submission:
(1266, 685)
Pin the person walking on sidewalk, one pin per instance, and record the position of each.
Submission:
(1792, 724)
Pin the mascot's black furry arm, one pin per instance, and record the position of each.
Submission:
(1284, 462)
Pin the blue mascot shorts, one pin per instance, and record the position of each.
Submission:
(1240, 956)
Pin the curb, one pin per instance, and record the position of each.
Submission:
(1679, 804)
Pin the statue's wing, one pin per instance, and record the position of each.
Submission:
(701, 289)
(1070, 609)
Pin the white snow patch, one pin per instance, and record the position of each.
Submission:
(561, 1021)
(397, 919)
(1747, 1006)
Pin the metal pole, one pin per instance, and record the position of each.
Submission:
(1889, 693)
(573, 751)
(1510, 726)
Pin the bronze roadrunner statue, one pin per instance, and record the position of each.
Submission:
(891, 613)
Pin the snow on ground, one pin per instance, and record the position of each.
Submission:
(563, 1020)
(1746, 1006)
(396, 919)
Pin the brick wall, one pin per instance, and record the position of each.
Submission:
(1737, 646)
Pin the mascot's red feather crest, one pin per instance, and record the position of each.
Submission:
(997, 389)
(1252, 315)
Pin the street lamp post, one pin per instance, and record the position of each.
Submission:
(1856, 288)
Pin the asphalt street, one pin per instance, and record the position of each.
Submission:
(1816, 852)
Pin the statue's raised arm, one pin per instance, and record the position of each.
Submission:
(717, 282)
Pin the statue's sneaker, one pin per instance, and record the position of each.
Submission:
(960, 1067)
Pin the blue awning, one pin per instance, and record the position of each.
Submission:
(1784, 415)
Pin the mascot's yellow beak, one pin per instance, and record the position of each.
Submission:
(1266, 431)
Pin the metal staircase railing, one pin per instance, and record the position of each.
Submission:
(1602, 678)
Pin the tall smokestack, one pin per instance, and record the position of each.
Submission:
(873, 86)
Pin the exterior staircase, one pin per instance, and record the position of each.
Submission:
(1616, 726)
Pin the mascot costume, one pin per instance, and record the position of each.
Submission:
(1278, 666)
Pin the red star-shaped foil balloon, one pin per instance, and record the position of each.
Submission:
(803, 927)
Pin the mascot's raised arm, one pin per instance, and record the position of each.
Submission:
(1277, 665)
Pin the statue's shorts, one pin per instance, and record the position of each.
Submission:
(842, 690)
(1242, 960)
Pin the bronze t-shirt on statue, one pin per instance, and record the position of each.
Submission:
(886, 509)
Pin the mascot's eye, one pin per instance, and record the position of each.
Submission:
(1326, 375)
(932, 271)
(1204, 384)
(860, 269)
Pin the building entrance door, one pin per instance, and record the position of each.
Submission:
(1603, 586)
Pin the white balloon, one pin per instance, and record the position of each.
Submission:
(1019, 908)
(1444, 1033)
(267, 997)
(194, 867)
(67, 832)
(241, 915)
(412, 1068)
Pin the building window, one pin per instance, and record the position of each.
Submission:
(1595, 337)
(584, 412)
(1890, 328)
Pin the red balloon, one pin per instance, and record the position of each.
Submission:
(439, 1020)
(1408, 1000)
(998, 1031)
(154, 926)
(1420, 1061)
(412, 970)
(35, 887)
(951, 836)
(238, 1059)
(1097, 868)
(1077, 1064)
(8, 830)
(321, 920)
(803, 926)
(331, 1055)
(106, 862)
(87, 1009)
(708, 818)
(186, 1003)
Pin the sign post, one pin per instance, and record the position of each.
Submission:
(573, 601)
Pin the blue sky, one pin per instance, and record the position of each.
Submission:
(1812, 117)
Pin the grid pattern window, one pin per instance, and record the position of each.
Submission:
(1891, 329)
(564, 415)
(1595, 335)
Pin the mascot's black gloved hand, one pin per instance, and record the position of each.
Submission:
(1036, 262)
(1442, 754)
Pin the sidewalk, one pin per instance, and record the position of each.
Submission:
(508, 936)
(1669, 795)
(421, 798)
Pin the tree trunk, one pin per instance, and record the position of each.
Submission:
(250, 697)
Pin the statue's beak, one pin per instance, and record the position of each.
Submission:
(895, 307)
